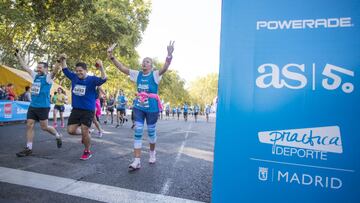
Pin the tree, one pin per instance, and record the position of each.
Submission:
(83, 29)
(172, 87)
(203, 90)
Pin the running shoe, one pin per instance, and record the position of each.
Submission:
(86, 155)
(152, 158)
(62, 125)
(25, 152)
(59, 142)
(100, 134)
(134, 166)
(117, 126)
(55, 125)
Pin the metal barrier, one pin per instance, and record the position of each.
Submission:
(17, 110)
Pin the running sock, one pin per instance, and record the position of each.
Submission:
(137, 160)
(29, 145)
(57, 135)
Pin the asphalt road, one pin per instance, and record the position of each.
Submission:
(183, 168)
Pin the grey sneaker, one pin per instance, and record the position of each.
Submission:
(25, 152)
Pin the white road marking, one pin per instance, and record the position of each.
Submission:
(168, 182)
(81, 189)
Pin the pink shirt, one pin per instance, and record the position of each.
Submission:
(97, 107)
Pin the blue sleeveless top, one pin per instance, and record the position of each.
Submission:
(121, 101)
(147, 84)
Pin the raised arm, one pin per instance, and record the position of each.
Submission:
(56, 69)
(100, 66)
(62, 61)
(63, 65)
(116, 62)
(22, 63)
(170, 50)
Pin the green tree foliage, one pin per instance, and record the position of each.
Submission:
(172, 87)
(83, 29)
(203, 90)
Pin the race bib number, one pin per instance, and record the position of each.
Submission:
(79, 90)
(35, 88)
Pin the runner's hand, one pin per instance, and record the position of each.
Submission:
(62, 60)
(110, 50)
(99, 64)
(170, 48)
(62, 57)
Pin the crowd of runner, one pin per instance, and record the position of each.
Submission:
(89, 100)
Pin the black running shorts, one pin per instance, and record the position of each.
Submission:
(38, 114)
(122, 111)
(81, 116)
(60, 108)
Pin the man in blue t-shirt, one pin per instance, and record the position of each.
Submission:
(207, 112)
(178, 111)
(147, 104)
(173, 112)
(167, 110)
(40, 104)
(185, 110)
(83, 92)
(196, 111)
(120, 108)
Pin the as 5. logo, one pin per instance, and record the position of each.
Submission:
(293, 76)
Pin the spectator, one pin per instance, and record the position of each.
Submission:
(3, 94)
(10, 92)
(26, 96)
(54, 98)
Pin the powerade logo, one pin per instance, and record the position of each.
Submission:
(304, 24)
(325, 139)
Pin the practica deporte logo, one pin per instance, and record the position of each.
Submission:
(326, 139)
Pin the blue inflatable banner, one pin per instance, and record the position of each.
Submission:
(288, 113)
(13, 110)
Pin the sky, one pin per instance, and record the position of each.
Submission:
(194, 25)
